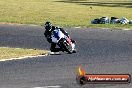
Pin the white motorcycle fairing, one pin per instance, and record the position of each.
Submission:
(57, 35)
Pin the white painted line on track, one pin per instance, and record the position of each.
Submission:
(126, 29)
(23, 57)
(57, 86)
(78, 27)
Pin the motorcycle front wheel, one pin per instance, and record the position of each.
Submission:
(66, 47)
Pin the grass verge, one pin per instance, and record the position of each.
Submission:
(64, 12)
(8, 53)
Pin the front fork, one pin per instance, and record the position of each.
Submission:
(71, 43)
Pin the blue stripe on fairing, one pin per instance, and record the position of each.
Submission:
(56, 35)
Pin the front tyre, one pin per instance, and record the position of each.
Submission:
(66, 47)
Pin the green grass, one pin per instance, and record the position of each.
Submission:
(64, 12)
(7, 53)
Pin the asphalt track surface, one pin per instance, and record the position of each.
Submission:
(100, 51)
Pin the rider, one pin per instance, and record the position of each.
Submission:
(49, 28)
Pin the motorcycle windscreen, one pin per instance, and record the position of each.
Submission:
(57, 35)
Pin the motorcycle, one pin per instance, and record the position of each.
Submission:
(63, 41)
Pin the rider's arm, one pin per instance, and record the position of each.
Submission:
(46, 33)
(63, 31)
(48, 36)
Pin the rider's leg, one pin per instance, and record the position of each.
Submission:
(52, 48)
